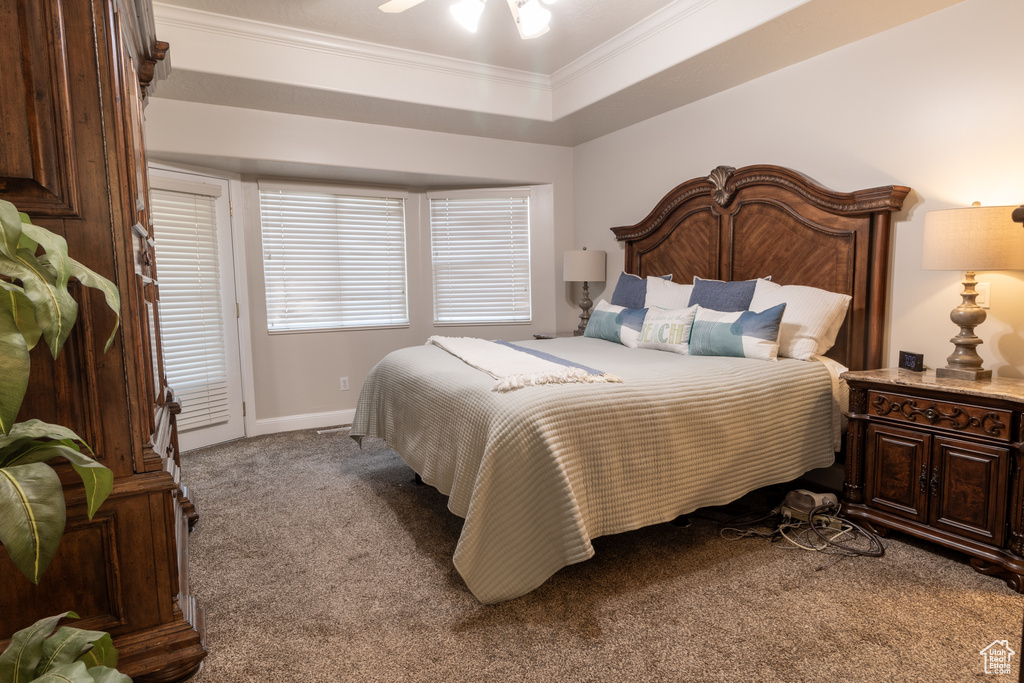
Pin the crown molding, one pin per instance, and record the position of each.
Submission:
(314, 41)
(662, 20)
(254, 50)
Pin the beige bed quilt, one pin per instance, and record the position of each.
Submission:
(540, 471)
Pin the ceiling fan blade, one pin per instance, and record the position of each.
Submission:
(396, 6)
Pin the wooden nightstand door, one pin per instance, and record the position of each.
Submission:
(898, 471)
(968, 486)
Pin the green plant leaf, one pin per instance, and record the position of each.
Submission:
(55, 308)
(19, 661)
(97, 479)
(14, 369)
(69, 673)
(69, 644)
(27, 431)
(32, 516)
(10, 228)
(12, 297)
(102, 654)
(102, 674)
(110, 294)
(55, 247)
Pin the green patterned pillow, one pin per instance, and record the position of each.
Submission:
(744, 334)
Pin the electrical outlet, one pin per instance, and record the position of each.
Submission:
(984, 290)
(344, 383)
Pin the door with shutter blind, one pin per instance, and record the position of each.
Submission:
(192, 230)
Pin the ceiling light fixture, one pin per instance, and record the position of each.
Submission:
(467, 13)
(531, 19)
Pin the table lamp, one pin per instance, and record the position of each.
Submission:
(970, 239)
(583, 266)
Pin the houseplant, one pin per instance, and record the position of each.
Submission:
(35, 304)
(39, 654)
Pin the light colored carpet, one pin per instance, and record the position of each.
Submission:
(318, 561)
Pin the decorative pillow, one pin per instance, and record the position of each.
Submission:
(631, 290)
(663, 293)
(616, 323)
(722, 296)
(667, 329)
(812, 318)
(745, 334)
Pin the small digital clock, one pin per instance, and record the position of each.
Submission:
(912, 361)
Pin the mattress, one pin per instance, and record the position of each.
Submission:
(540, 471)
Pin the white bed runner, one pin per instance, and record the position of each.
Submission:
(514, 367)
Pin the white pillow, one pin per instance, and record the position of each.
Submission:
(667, 329)
(812, 318)
(667, 294)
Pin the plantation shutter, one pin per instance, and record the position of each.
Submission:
(480, 251)
(191, 314)
(332, 260)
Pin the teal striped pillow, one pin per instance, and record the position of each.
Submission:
(616, 323)
(744, 334)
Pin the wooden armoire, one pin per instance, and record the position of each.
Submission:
(74, 79)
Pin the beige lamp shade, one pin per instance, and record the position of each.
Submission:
(583, 266)
(973, 238)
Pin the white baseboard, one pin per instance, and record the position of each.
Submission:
(292, 423)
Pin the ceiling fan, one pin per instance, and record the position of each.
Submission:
(531, 19)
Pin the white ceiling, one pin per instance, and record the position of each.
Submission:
(604, 65)
(577, 26)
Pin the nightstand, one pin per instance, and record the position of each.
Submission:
(940, 459)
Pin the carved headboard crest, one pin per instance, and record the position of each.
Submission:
(719, 179)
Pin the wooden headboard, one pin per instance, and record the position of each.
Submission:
(761, 221)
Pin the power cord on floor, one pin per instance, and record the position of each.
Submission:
(821, 532)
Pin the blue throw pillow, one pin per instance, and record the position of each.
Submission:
(616, 323)
(631, 290)
(722, 296)
(744, 334)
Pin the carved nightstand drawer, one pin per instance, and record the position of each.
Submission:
(956, 417)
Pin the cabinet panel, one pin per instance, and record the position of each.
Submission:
(83, 577)
(897, 466)
(37, 169)
(973, 489)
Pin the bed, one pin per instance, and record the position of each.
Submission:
(537, 472)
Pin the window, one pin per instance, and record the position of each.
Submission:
(332, 260)
(191, 306)
(480, 250)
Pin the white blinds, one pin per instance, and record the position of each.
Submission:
(191, 315)
(480, 249)
(332, 260)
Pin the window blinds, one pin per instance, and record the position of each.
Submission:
(332, 260)
(191, 314)
(480, 250)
